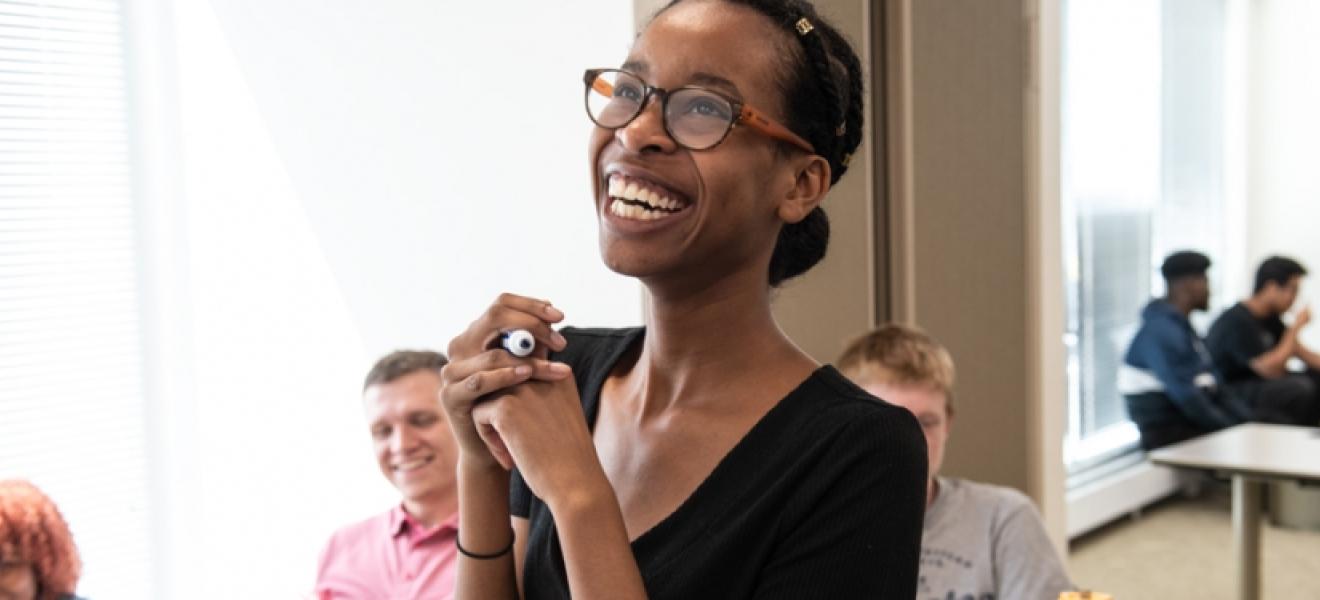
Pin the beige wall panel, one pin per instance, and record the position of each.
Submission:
(973, 246)
(969, 217)
(1046, 355)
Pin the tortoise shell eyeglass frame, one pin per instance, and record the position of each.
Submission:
(745, 114)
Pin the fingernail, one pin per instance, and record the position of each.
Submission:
(560, 368)
(522, 370)
(558, 339)
(552, 312)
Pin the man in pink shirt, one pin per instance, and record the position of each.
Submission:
(408, 552)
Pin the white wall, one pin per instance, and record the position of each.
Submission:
(1284, 177)
(345, 177)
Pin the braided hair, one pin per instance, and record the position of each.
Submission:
(823, 90)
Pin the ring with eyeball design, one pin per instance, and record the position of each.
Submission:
(519, 342)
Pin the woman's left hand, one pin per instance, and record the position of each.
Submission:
(542, 425)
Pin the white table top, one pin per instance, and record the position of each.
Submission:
(1273, 451)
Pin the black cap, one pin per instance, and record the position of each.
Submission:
(1187, 263)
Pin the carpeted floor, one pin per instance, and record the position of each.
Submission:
(1183, 548)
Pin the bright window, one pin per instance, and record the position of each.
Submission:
(1151, 125)
(71, 402)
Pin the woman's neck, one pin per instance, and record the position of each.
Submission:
(702, 341)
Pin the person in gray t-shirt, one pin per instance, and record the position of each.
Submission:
(983, 542)
(980, 541)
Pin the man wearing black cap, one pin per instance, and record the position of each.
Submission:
(1169, 380)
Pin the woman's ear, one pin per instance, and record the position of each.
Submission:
(811, 181)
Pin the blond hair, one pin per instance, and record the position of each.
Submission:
(899, 355)
(401, 363)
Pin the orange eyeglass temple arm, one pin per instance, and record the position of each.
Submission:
(602, 86)
(759, 122)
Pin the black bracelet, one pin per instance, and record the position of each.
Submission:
(506, 549)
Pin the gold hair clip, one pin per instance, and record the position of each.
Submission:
(841, 129)
(804, 26)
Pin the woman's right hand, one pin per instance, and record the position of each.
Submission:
(479, 366)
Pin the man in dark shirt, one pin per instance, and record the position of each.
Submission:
(1250, 342)
(1171, 385)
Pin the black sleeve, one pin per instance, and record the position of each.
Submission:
(861, 538)
(520, 496)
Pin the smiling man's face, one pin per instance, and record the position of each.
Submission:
(414, 447)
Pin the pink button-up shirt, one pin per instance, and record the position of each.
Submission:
(391, 557)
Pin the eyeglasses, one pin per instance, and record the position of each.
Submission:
(696, 118)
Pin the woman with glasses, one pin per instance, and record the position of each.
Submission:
(704, 455)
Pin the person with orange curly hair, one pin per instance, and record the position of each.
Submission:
(38, 560)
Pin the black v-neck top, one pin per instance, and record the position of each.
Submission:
(823, 498)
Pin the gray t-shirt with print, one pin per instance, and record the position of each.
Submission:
(986, 542)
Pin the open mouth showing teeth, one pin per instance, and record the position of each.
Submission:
(636, 199)
(411, 465)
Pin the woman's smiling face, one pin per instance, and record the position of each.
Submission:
(714, 210)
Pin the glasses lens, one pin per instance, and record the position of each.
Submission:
(614, 98)
(698, 119)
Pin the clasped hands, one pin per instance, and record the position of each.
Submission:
(507, 411)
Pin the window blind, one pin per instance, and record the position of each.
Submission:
(1146, 135)
(72, 414)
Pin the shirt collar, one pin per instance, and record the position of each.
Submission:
(401, 522)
